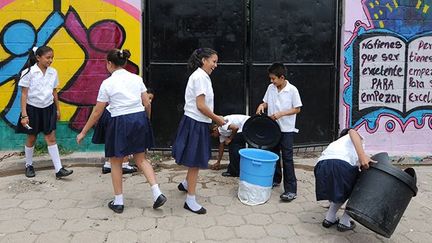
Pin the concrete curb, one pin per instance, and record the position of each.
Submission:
(302, 160)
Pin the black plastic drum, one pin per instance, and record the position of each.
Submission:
(381, 195)
(260, 131)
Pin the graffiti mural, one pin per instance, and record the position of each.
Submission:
(81, 33)
(23, 32)
(387, 75)
(96, 42)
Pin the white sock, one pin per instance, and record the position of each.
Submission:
(55, 157)
(28, 155)
(331, 213)
(192, 203)
(156, 192)
(345, 220)
(118, 199)
(107, 164)
(185, 184)
(126, 165)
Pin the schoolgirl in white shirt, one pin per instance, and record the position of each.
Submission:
(40, 107)
(336, 173)
(192, 144)
(127, 130)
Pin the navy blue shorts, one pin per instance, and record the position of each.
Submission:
(128, 134)
(192, 144)
(334, 180)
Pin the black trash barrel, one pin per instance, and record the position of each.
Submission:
(261, 132)
(381, 195)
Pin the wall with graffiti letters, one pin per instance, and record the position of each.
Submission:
(80, 32)
(386, 73)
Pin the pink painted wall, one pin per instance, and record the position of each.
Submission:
(386, 74)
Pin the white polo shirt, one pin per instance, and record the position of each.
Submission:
(237, 120)
(122, 90)
(40, 86)
(286, 99)
(342, 149)
(199, 83)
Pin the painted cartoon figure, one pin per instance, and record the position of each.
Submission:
(96, 42)
(23, 32)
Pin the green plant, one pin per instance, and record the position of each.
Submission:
(41, 149)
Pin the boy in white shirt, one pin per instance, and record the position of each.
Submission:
(282, 101)
(230, 134)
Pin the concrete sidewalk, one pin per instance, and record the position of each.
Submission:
(74, 209)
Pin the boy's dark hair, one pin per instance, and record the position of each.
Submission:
(344, 132)
(213, 127)
(278, 69)
(195, 60)
(118, 57)
(40, 51)
(150, 91)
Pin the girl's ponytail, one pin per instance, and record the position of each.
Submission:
(30, 62)
(118, 57)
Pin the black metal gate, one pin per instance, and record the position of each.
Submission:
(248, 36)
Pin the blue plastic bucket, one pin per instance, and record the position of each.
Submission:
(257, 166)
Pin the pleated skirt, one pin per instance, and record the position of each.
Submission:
(334, 180)
(128, 134)
(191, 147)
(100, 127)
(40, 120)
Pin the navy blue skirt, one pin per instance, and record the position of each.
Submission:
(40, 120)
(128, 134)
(334, 180)
(100, 127)
(192, 144)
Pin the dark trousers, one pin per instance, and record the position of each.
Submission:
(286, 147)
(237, 143)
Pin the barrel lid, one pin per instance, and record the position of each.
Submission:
(408, 176)
(260, 131)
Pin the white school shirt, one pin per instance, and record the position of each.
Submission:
(40, 86)
(122, 90)
(199, 83)
(342, 149)
(286, 99)
(237, 120)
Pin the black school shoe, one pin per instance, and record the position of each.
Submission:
(202, 210)
(161, 200)
(29, 171)
(181, 187)
(328, 224)
(129, 169)
(106, 170)
(228, 174)
(342, 228)
(116, 208)
(126, 170)
(288, 196)
(63, 173)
